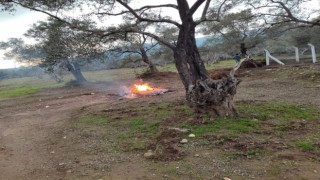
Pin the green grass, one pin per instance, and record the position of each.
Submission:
(157, 111)
(18, 91)
(110, 75)
(280, 111)
(304, 145)
(235, 125)
(142, 125)
(24, 86)
(221, 64)
(137, 123)
(94, 120)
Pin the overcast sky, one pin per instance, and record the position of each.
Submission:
(14, 25)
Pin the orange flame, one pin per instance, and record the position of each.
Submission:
(143, 87)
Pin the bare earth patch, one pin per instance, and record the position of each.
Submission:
(85, 133)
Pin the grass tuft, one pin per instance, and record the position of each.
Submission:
(18, 91)
(304, 145)
(235, 125)
(94, 120)
(280, 111)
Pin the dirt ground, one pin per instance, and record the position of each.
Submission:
(38, 139)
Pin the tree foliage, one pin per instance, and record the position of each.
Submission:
(237, 31)
(66, 47)
(17, 49)
(288, 12)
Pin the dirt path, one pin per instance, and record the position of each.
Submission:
(26, 124)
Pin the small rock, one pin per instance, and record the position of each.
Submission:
(192, 135)
(64, 137)
(69, 171)
(92, 93)
(52, 152)
(315, 171)
(196, 155)
(61, 164)
(184, 141)
(226, 178)
(149, 154)
(165, 176)
(47, 106)
(180, 130)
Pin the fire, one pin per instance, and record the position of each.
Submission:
(143, 87)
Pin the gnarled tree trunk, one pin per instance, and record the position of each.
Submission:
(145, 59)
(74, 68)
(243, 49)
(202, 92)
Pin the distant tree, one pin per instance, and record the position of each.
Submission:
(302, 36)
(288, 12)
(65, 47)
(18, 50)
(238, 32)
(138, 45)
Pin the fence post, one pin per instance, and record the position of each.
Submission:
(268, 55)
(297, 53)
(313, 51)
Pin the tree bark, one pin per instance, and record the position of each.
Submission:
(202, 93)
(145, 58)
(243, 49)
(74, 68)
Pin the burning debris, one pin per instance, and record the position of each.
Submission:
(142, 89)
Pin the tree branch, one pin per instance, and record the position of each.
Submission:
(72, 26)
(205, 10)
(288, 11)
(141, 9)
(151, 47)
(218, 14)
(288, 14)
(135, 30)
(42, 11)
(237, 66)
(141, 19)
(312, 23)
(195, 6)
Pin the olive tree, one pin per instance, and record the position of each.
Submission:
(237, 31)
(137, 45)
(64, 47)
(287, 12)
